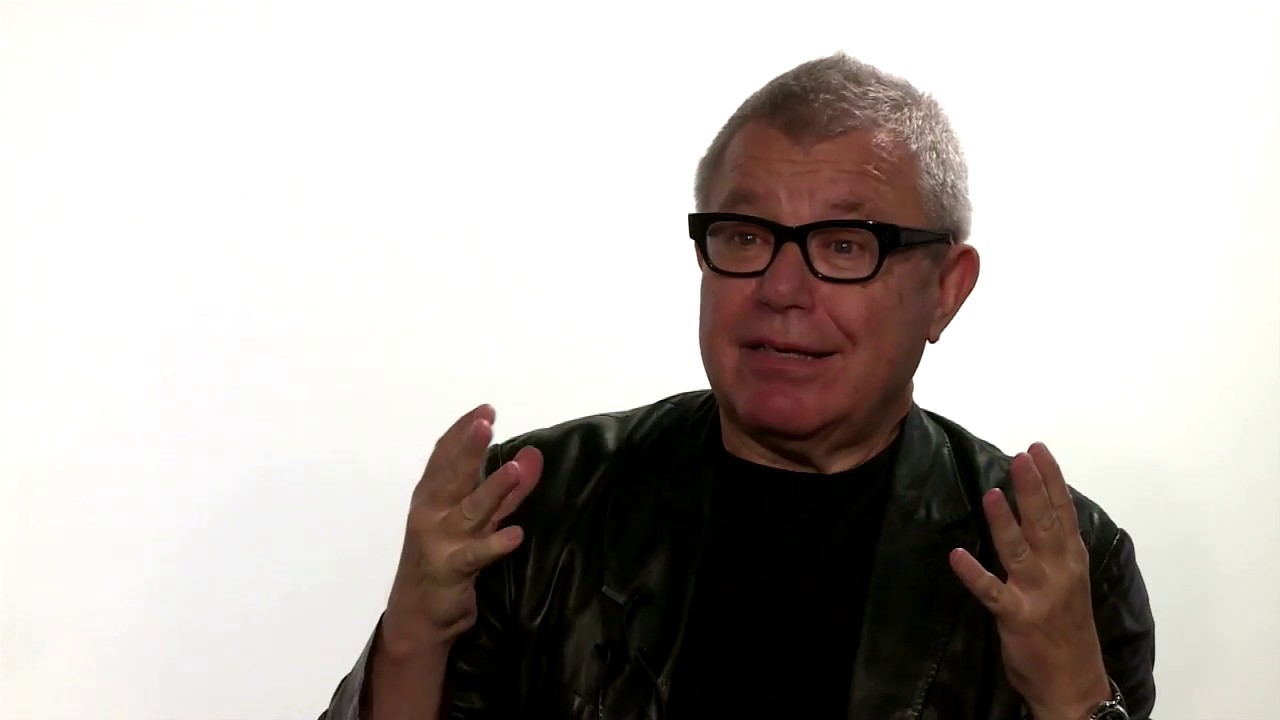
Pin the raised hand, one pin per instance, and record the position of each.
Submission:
(1043, 611)
(453, 532)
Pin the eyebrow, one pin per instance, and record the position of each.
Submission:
(849, 206)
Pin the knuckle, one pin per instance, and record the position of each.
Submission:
(472, 558)
(1021, 553)
(1047, 521)
(466, 557)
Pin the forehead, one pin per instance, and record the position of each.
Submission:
(766, 172)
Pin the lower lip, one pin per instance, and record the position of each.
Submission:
(769, 361)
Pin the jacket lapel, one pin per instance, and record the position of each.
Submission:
(668, 503)
(914, 601)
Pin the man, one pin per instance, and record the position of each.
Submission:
(801, 541)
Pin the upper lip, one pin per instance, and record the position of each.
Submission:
(785, 346)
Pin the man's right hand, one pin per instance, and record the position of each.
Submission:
(452, 534)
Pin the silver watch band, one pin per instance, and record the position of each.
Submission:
(1112, 709)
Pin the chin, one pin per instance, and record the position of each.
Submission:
(781, 412)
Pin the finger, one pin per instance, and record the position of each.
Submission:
(1055, 486)
(1011, 543)
(1039, 520)
(984, 586)
(529, 464)
(477, 509)
(457, 475)
(448, 443)
(469, 559)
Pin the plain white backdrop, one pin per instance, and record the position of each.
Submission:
(255, 257)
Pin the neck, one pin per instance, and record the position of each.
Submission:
(835, 449)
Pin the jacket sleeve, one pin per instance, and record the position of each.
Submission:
(476, 686)
(348, 700)
(1126, 628)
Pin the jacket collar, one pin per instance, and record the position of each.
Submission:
(926, 489)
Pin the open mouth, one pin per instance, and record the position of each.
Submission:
(789, 352)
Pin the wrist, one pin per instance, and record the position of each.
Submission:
(407, 641)
(406, 675)
(1093, 694)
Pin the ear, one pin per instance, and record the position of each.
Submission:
(956, 279)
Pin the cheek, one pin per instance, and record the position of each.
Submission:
(873, 318)
(718, 310)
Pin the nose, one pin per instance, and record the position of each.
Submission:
(787, 283)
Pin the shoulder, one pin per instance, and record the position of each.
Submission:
(579, 451)
(589, 438)
(985, 466)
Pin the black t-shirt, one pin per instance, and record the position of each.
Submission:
(778, 604)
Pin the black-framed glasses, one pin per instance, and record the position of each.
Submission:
(838, 251)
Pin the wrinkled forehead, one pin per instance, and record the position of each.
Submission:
(767, 172)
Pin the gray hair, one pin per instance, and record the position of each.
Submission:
(824, 98)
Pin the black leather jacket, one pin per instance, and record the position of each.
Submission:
(623, 504)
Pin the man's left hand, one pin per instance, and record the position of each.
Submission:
(1043, 611)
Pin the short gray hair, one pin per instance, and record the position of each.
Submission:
(828, 97)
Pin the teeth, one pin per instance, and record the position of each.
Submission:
(788, 353)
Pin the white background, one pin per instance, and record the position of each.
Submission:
(257, 256)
